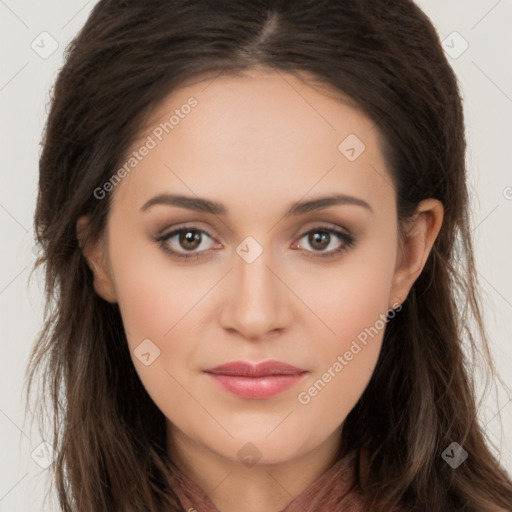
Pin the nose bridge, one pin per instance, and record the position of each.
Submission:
(255, 300)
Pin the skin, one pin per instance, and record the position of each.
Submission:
(257, 143)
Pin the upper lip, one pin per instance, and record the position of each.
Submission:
(266, 368)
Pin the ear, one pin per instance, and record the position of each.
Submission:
(416, 241)
(95, 253)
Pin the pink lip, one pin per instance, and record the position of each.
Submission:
(263, 380)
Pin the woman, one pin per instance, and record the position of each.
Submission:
(255, 228)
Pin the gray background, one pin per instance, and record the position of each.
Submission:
(26, 76)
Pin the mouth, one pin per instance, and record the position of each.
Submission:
(256, 382)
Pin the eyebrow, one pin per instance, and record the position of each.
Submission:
(208, 206)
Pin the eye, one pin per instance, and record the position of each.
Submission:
(189, 238)
(321, 237)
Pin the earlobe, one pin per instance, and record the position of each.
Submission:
(94, 252)
(415, 245)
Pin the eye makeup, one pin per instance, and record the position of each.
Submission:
(347, 241)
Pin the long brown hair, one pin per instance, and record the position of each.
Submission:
(386, 56)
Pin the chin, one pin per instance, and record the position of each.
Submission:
(251, 448)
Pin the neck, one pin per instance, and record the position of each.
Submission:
(232, 485)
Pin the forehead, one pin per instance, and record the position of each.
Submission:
(258, 134)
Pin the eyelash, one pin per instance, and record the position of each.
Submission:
(348, 241)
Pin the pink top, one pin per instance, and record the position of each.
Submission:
(333, 490)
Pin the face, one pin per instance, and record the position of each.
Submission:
(262, 270)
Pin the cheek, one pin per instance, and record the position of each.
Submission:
(354, 304)
(152, 293)
(346, 362)
(352, 296)
(155, 300)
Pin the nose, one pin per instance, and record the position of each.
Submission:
(256, 301)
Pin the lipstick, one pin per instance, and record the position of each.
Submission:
(256, 381)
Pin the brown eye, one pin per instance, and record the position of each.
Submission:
(186, 242)
(320, 238)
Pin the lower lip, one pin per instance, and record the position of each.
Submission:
(257, 388)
